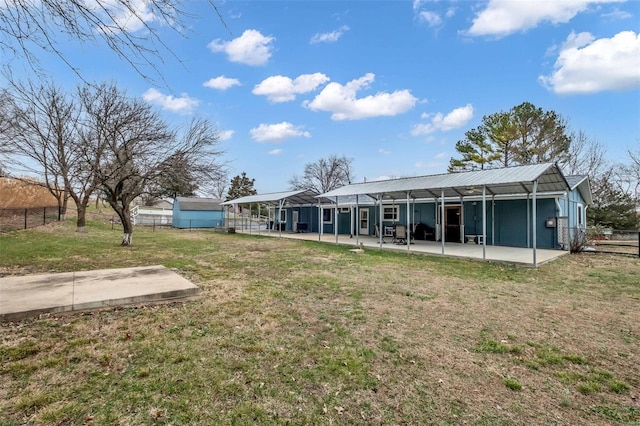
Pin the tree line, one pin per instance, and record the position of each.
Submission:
(97, 141)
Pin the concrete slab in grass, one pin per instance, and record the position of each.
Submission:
(32, 295)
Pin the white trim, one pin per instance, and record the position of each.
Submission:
(283, 212)
(391, 213)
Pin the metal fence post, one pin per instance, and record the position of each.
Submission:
(25, 218)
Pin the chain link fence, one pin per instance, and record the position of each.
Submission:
(30, 217)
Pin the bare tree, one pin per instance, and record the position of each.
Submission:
(127, 27)
(43, 136)
(324, 175)
(585, 157)
(133, 146)
(217, 185)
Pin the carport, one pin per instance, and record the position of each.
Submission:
(528, 182)
(277, 201)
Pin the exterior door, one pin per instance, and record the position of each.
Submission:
(452, 224)
(294, 219)
(364, 222)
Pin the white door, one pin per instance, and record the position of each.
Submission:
(364, 222)
(295, 221)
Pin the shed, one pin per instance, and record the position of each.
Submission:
(195, 212)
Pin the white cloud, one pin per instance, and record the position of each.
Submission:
(132, 17)
(441, 155)
(279, 88)
(343, 104)
(182, 105)
(275, 152)
(251, 48)
(503, 17)
(587, 65)
(383, 151)
(431, 18)
(221, 83)
(331, 37)
(277, 132)
(617, 15)
(455, 119)
(225, 135)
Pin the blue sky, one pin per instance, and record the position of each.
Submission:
(392, 84)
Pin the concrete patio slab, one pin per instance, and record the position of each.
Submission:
(32, 295)
(501, 254)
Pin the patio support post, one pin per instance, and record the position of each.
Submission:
(493, 219)
(381, 196)
(258, 218)
(484, 222)
(249, 218)
(528, 223)
(319, 220)
(461, 219)
(280, 217)
(442, 218)
(408, 230)
(269, 219)
(335, 225)
(357, 222)
(534, 219)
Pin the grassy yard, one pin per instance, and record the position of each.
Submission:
(306, 333)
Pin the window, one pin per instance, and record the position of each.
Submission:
(580, 218)
(283, 216)
(345, 209)
(326, 215)
(391, 213)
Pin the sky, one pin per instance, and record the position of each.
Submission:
(391, 84)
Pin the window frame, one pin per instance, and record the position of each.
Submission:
(391, 213)
(327, 211)
(283, 212)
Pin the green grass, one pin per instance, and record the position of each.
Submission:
(512, 384)
(290, 332)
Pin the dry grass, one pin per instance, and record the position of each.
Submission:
(21, 194)
(305, 333)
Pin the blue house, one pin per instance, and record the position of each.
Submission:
(525, 206)
(193, 212)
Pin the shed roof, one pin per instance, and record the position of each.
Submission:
(584, 186)
(504, 181)
(198, 204)
(298, 197)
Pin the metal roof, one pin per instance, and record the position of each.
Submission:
(198, 204)
(299, 197)
(584, 187)
(504, 181)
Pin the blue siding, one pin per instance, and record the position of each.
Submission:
(196, 218)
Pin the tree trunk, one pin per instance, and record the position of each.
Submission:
(127, 227)
(82, 217)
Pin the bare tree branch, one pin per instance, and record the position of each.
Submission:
(130, 28)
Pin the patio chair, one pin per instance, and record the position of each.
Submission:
(401, 235)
